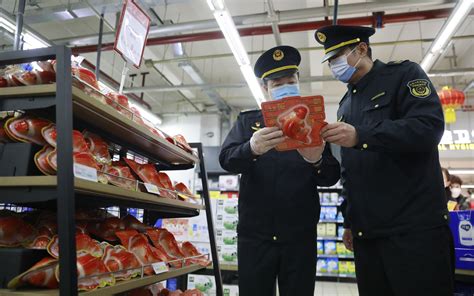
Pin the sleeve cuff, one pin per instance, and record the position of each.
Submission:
(363, 135)
(247, 151)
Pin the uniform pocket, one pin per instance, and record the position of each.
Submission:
(378, 108)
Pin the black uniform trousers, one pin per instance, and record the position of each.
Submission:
(411, 264)
(261, 262)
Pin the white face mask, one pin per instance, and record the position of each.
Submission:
(455, 192)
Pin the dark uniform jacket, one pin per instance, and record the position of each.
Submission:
(278, 190)
(392, 178)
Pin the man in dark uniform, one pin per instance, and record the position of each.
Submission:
(389, 124)
(279, 203)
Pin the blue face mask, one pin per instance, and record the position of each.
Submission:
(285, 90)
(341, 70)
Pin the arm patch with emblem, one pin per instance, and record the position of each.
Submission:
(419, 88)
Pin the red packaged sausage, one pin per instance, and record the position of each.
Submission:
(300, 118)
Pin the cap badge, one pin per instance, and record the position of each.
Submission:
(321, 37)
(278, 55)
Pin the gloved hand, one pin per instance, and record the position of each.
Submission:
(266, 139)
(312, 154)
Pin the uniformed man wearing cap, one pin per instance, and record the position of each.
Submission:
(389, 124)
(278, 203)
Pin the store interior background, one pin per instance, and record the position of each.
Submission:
(206, 113)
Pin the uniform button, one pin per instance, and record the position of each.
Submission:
(365, 146)
(254, 159)
(319, 171)
(376, 106)
(445, 217)
(275, 238)
(354, 91)
(360, 234)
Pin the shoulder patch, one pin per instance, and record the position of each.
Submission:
(399, 62)
(419, 88)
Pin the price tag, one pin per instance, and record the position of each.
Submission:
(84, 172)
(152, 188)
(160, 267)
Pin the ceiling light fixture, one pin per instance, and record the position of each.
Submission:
(30, 40)
(461, 172)
(461, 10)
(227, 26)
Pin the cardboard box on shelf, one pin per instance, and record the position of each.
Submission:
(325, 197)
(231, 290)
(226, 237)
(229, 182)
(343, 268)
(351, 267)
(228, 206)
(226, 221)
(340, 248)
(334, 198)
(331, 229)
(320, 247)
(330, 248)
(227, 254)
(340, 231)
(322, 266)
(333, 265)
(321, 229)
(204, 283)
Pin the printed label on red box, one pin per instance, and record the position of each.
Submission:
(300, 118)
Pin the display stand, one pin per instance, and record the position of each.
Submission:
(69, 105)
(337, 238)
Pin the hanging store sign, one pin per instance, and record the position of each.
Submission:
(457, 140)
(132, 33)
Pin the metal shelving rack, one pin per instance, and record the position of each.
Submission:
(65, 192)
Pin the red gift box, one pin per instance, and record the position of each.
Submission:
(300, 118)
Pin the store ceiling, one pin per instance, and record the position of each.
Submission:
(61, 21)
(76, 22)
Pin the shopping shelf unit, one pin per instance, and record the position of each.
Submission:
(71, 106)
(335, 238)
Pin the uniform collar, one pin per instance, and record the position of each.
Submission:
(367, 77)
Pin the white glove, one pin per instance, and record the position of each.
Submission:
(266, 139)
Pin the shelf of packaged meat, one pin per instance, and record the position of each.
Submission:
(43, 188)
(119, 287)
(89, 109)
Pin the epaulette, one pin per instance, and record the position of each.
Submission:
(395, 63)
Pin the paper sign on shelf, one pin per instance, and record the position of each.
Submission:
(160, 267)
(152, 188)
(84, 172)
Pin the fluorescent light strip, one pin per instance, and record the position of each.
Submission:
(461, 172)
(227, 26)
(30, 40)
(447, 31)
(468, 186)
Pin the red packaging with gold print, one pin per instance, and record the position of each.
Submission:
(300, 118)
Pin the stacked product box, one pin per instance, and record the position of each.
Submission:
(207, 285)
(227, 219)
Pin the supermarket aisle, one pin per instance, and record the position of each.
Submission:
(335, 289)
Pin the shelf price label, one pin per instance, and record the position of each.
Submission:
(84, 172)
(160, 267)
(152, 188)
